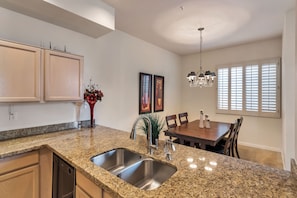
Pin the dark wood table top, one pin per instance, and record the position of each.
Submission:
(204, 136)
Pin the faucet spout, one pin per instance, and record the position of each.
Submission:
(149, 133)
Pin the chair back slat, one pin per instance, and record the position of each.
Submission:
(228, 147)
(239, 123)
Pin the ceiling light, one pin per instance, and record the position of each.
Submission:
(201, 79)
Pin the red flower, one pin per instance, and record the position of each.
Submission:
(92, 94)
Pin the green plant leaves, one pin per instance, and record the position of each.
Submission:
(157, 125)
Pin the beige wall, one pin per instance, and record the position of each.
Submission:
(113, 61)
(121, 58)
(258, 132)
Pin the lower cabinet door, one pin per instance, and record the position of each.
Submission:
(80, 193)
(22, 183)
(85, 188)
(106, 195)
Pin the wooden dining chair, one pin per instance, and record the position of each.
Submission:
(171, 121)
(227, 148)
(183, 118)
(239, 123)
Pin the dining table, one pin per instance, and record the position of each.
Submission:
(191, 132)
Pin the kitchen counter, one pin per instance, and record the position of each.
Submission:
(199, 173)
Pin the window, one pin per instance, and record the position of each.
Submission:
(250, 88)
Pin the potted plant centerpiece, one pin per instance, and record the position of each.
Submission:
(157, 126)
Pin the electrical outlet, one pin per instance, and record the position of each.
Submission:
(11, 116)
(15, 115)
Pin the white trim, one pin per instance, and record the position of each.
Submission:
(261, 146)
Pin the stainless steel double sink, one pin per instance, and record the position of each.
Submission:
(140, 171)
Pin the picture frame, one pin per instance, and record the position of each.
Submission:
(158, 93)
(145, 93)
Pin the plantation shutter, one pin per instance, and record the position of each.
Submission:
(236, 88)
(269, 88)
(223, 88)
(252, 88)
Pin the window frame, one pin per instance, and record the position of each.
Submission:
(244, 111)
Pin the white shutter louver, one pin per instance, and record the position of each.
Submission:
(269, 88)
(223, 90)
(236, 88)
(252, 88)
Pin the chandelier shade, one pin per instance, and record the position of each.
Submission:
(201, 79)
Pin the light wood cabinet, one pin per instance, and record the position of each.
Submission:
(106, 195)
(63, 76)
(19, 176)
(79, 193)
(29, 74)
(20, 72)
(46, 172)
(85, 188)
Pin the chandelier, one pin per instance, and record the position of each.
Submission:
(201, 79)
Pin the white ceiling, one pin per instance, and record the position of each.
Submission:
(92, 17)
(173, 24)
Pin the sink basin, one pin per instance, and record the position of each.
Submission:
(116, 160)
(144, 173)
(147, 174)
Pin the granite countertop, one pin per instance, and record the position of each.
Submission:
(199, 173)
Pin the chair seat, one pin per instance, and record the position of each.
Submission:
(227, 147)
(216, 149)
(222, 142)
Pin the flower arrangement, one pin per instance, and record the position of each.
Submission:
(92, 93)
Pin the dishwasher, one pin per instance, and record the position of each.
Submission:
(63, 179)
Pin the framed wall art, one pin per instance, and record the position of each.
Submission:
(145, 93)
(158, 93)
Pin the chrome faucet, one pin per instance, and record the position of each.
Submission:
(150, 145)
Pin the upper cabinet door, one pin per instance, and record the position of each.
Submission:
(20, 69)
(63, 76)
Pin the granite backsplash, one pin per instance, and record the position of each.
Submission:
(24, 132)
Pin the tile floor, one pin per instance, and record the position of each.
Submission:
(261, 156)
(265, 157)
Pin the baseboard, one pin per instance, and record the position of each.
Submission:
(260, 146)
(284, 164)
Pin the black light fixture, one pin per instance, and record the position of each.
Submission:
(201, 79)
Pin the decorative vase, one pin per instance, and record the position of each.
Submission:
(92, 104)
(92, 95)
(155, 140)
